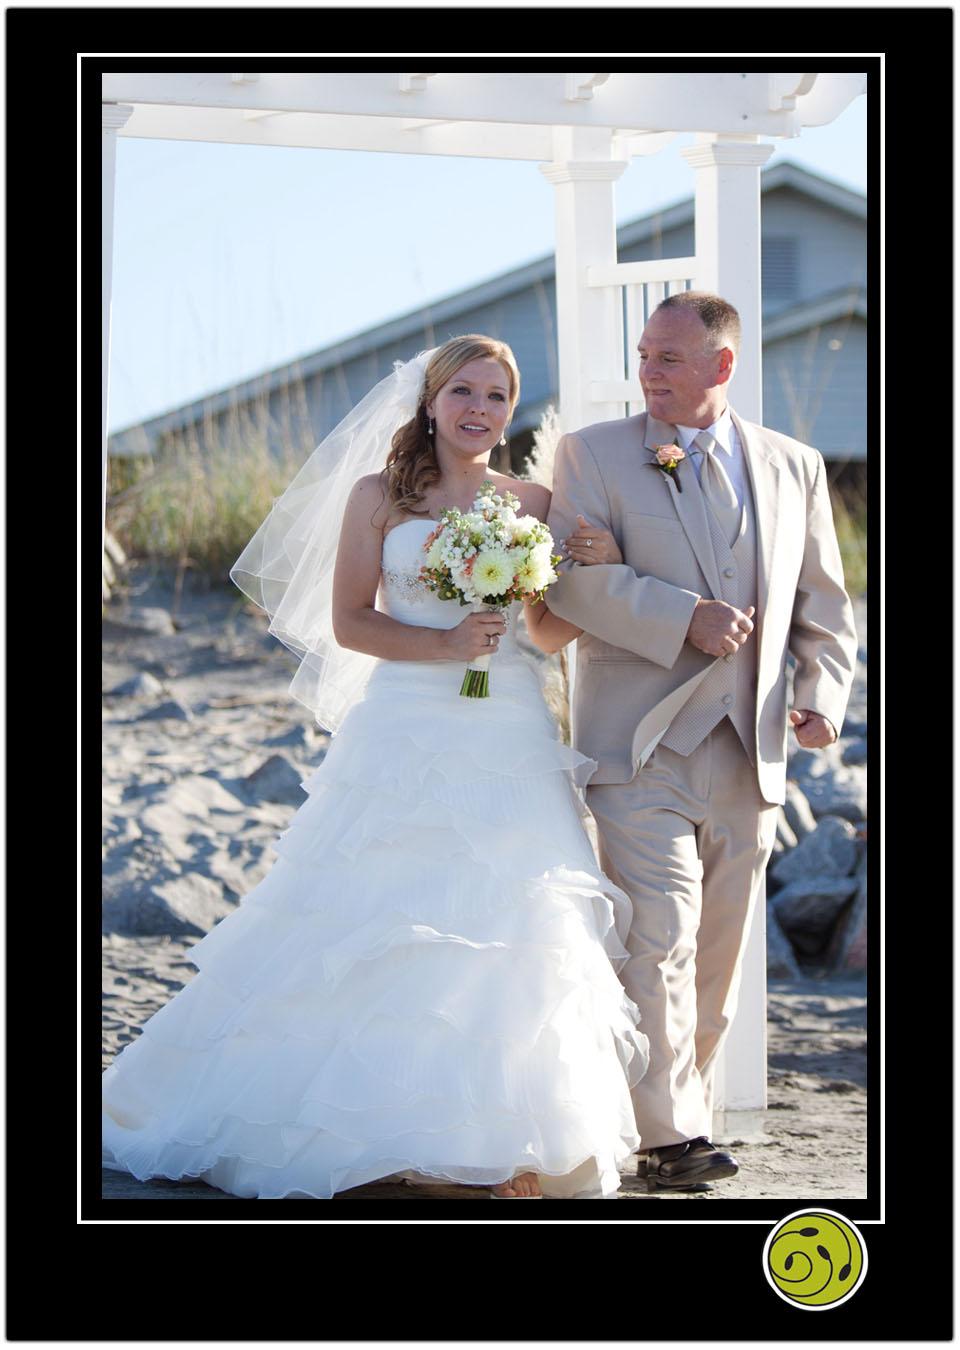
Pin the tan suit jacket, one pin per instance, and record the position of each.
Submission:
(632, 655)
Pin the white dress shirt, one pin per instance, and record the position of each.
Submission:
(728, 444)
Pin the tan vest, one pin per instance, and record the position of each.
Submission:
(730, 689)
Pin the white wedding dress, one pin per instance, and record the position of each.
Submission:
(423, 985)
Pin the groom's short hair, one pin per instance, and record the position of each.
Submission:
(719, 317)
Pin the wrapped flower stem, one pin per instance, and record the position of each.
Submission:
(476, 679)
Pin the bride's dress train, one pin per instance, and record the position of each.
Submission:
(422, 984)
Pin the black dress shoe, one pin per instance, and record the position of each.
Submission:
(683, 1165)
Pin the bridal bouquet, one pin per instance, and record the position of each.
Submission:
(487, 558)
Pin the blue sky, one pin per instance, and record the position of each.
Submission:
(229, 260)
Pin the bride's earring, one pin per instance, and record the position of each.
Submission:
(503, 439)
(431, 426)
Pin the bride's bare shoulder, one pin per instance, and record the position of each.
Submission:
(534, 498)
(369, 497)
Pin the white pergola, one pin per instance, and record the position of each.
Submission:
(582, 130)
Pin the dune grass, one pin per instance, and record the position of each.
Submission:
(195, 506)
(850, 519)
(197, 503)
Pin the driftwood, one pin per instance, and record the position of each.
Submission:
(113, 558)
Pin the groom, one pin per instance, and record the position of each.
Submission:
(730, 561)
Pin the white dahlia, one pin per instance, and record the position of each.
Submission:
(534, 574)
(492, 572)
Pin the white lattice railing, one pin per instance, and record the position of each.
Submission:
(642, 285)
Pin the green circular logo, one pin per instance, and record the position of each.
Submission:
(815, 1259)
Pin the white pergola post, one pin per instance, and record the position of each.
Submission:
(113, 117)
(728, 245)
(589, 319)
(728, 264)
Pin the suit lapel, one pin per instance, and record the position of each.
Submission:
(764, 476)
(690, 506)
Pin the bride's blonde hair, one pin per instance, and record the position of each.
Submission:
(412, 466)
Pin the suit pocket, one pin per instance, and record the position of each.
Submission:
(633, 520)
(602, 653)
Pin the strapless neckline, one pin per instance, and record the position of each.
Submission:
(424, 520)
(386, 545)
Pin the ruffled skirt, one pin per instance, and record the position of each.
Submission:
(424, 983)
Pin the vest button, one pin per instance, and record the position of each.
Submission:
(727, 700)
(729, 571)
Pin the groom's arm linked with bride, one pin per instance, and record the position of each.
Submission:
(681, 688)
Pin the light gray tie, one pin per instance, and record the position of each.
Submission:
(717, 488)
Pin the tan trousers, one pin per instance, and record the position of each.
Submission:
(688, 840)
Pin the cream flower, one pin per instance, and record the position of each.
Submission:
(536, 573)
(492, 572)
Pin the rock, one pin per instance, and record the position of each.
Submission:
(172, 708)
(800, 763)
(192, 808)
(143, 685)
(848, 946)
(147, 858)
(830, 851)
(807, 910)
(185, 906)
(831, 787)
(838, 792)
(121, 829)
(786, 836)
(781, 962)
(217, 864)
(129, 871)
(796, 810)
(855, 751)
(142, 619)
(302, 738)
(276, 781)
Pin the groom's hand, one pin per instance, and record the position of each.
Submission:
(812, 730)
(719, 629)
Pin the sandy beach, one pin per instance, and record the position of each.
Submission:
(203, 752)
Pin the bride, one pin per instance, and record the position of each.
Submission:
(423, 986)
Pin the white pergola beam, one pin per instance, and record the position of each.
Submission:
(580, 87)
(412, 84)
(320, 131)
(724, 102)
(386, 135)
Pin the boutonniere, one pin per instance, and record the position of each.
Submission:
(667, 459)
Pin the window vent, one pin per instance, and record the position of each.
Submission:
(778, 261)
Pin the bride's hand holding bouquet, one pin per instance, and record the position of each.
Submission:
(487, 558)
